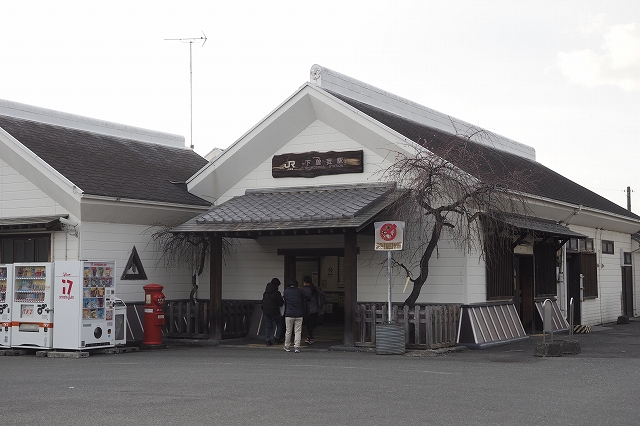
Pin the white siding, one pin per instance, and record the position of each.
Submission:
(253, 263)
(476, 278)
(608, 305)
(20, 197)
(316, 137)
(107, 241)
(445, 283)
(66, 246)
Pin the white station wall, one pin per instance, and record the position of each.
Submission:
(608, 305)
(252, 263)
(107, 241)
(20, 197)
(316, 137)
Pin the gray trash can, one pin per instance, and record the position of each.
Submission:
(390, 339)
(120, 328)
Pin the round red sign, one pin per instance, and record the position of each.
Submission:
(388, 231)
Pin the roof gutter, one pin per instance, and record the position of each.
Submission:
(109, 200)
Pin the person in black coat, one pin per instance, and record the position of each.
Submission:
(311, 319)
(293, 312)
(271, 302)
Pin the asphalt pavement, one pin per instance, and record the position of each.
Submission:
(245, 382)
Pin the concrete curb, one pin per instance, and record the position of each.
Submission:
(435, 352)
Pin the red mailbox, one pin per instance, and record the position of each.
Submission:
(153, 314)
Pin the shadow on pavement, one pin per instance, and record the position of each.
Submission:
(604, 341)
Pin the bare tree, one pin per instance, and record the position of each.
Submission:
(190, 250)
(449, 185)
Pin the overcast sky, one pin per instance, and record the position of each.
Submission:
(560, 76)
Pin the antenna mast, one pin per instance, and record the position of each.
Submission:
(190, 41)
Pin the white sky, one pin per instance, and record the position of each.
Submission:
(561, 76)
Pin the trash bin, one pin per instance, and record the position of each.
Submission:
(120, 322)
(390, 339)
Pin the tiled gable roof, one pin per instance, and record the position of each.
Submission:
(544, 181)
(111, 166)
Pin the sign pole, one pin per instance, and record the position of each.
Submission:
(389, 269)
(389, 236)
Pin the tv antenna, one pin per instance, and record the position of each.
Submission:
(190, 41)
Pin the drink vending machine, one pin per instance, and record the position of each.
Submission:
(32, 307)
(85, 294)
(6, 296)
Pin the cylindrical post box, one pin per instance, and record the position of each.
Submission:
(153, 314)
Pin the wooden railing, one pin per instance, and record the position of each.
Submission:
(185, 319)
(428, 326)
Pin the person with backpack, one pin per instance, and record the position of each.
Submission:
(316, 303)
(294, 300)
(271, 302)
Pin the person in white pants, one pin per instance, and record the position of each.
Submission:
(294, 300)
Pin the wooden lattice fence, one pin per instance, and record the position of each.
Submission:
(186, 319)
(427, 326)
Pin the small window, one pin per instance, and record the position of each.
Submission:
(581, 245)
(607, 247)
(627, 258)
(588, 244)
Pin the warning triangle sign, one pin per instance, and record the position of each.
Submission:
(134, 270)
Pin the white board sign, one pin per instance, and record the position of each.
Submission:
(389, 235)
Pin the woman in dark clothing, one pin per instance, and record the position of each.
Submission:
(293, 313)
(311, 319)
(271, 302)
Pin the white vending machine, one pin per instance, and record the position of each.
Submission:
(6, 296)
(32, 307)
(85, 294)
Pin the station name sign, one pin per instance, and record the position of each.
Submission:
(314, 163)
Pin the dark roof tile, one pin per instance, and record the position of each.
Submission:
(349, 206)
(111, 166)
(544, 182)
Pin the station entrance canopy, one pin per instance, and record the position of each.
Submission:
(295, 211)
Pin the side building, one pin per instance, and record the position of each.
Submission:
(73, 187)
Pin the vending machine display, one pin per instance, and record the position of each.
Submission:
(32, 313)
(84, 304)
(6, 295)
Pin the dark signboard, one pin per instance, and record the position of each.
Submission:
(312, 164)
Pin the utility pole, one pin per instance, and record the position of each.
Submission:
(190, 41)
(629, 198)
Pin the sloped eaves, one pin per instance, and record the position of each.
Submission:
(286, 210)
(111, 166)
(544, 182)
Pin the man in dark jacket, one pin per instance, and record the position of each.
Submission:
(271, 302)
(293, 312)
